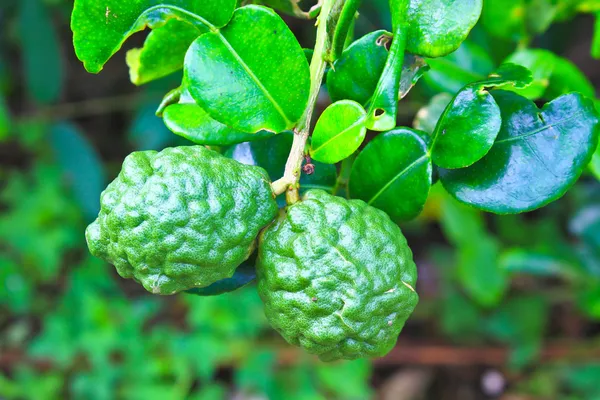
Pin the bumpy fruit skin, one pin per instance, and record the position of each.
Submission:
(182, 218)
(336, 277)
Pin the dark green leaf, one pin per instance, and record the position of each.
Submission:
(355, 74)
(163, 52)
(4, 120)
(251, 75)
(393, 173)
(42, 63)
(243, 275)
(272, 154)
(339, 132)
(521, 322)
(383, 110)
(189, 120)
(537, 156)
(101, 26)
(468, 127)
(82, 165)
(437, 27)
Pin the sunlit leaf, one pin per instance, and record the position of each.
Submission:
(537, 156)
(101, 26)
(163, 52)
(393, 173)
(252, 74)
(437, 27)
(339, 132)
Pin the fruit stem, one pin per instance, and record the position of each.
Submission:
(289, 184)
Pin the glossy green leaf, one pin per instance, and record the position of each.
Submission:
(242, 276)
(188, 120)
(252, 74)
(81, 164)
(355, 74)
(427, 117)
(42, 62)
(552, 75)
(272, 154)
(393, 173)
(468, 127)
(537, 156)
(383, 109)
(163, 52)
(437, 27)
(339, 132)
(100, 27)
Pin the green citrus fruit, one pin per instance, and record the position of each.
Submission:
(336, 277)
(182, 218)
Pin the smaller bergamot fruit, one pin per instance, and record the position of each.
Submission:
(336, 277)
(182, 218)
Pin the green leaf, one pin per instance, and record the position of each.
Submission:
(521, 322)
(383, 110)
(427, 117)
(4, 119)
(42, 62)
(595, 164)
(272, 154)
(339, 132)
(437, 27)
(477, 271)
(100, 27)
(468, 127)
(290, 7)
(252, 74)
(537, 156)
(393, 173)
(242, 276)
(552, 75)
(81, 164)
(534, 263)
(190, 121)
(163, 52)
(355, 74)
(596, 40)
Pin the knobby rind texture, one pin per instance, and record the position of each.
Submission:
(182, 218)
(336, 277)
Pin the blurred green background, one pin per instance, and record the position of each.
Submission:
(510, 306)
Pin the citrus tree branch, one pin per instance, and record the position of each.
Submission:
(293, 169)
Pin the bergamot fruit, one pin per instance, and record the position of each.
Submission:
(182, 218)
(336, 277)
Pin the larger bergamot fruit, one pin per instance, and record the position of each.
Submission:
(336, 277)
(182, 218)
